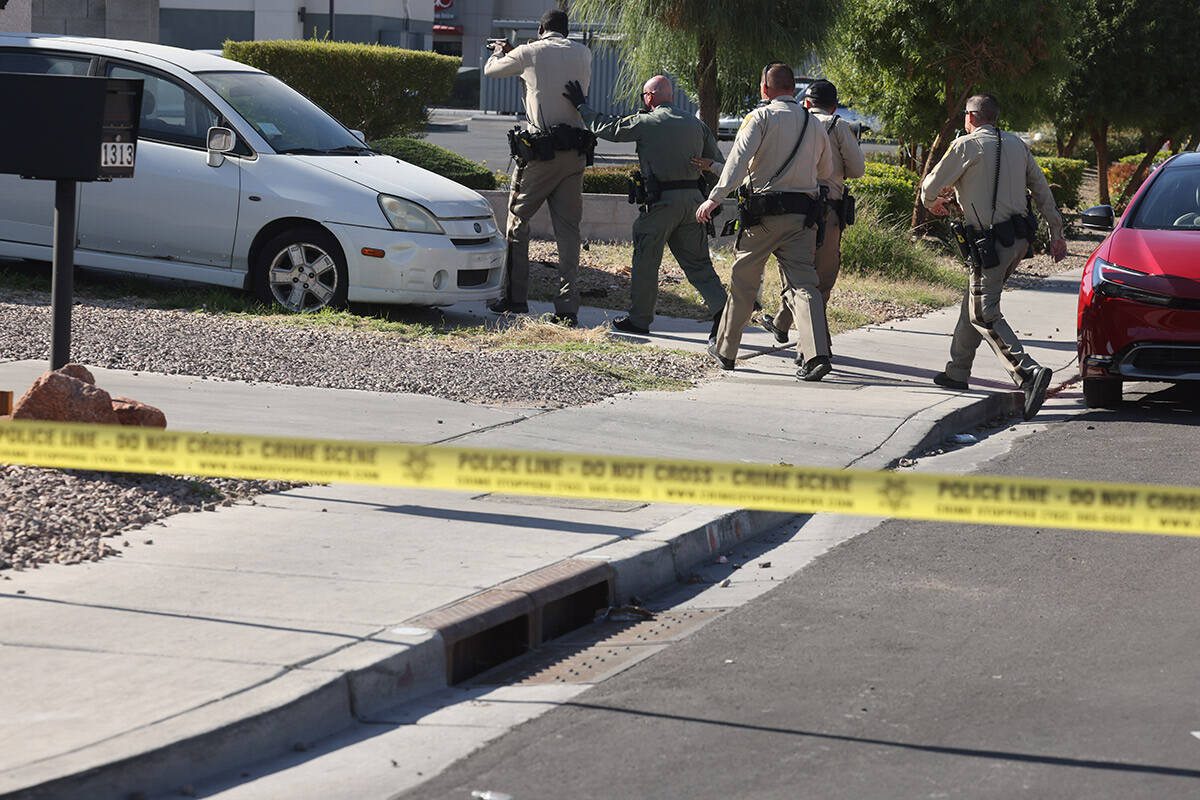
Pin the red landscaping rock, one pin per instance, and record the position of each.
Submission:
(77, 371)
(58, 397)
(134, 412)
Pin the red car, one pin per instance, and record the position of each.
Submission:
(1139, 300)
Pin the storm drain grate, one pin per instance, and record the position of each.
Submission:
(559, 664)
(598, 651)
(667, 626)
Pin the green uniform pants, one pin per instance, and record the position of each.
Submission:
(980, 320)
(794, 246)
(671, 222)
(559, 184)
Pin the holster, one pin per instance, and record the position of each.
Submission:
(637, 194)
(752, 208)
(526, 145)
(844, 208)
(819, 211)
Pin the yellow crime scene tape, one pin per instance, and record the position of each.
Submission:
(1131, 508)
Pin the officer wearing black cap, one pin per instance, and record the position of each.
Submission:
(821, 99)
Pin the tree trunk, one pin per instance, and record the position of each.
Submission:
(1135, 180)
(941, 144)
(1099, 135)
(1068, 150)
(706, 81)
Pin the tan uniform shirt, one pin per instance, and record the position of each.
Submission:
(546, 65)
(848, 161)
(763, 144)
(970, 167)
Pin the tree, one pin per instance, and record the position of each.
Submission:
(716, 49)
(914, 63)
(1129, 59)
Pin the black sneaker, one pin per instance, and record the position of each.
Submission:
(726, 363)
(625, 325)
(506, 306)
(565, 320)
(768, 323)
(1035, 387)
(814, 369)
(946, 382)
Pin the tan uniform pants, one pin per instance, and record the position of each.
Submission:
(559, 183)
(828, 264)
(980, 320)
(794, 246)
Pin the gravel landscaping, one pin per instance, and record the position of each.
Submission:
(72, 516)
(121, 335)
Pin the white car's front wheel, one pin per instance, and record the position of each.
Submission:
(303, 270)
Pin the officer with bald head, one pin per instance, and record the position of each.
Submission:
(673, 149)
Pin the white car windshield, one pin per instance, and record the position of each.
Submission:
(289, 121)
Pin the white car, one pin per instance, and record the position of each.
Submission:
(292, 206)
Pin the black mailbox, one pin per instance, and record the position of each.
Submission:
(69, 127)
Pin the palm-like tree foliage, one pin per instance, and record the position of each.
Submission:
(716, 49)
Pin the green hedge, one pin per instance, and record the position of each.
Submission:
(381, 91)
(1136, 158)
(444, 162)
(880, 169)
(891, 198)
(607, 180)
(1067, 174)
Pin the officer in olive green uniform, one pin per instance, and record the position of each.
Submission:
(670, 145)
(783, 152)
(990, 171)
(821, 100)
(543, 65)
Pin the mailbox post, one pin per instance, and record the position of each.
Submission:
(73, 128)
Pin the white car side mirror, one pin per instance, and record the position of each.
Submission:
(362, 137)
(220, 142)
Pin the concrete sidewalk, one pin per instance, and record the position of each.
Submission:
(238, 634)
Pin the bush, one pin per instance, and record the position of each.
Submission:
(444, 162)
(880, 169)
(1118, 176)
(607, 180)
(1136, 158)
(1067, 174)
(872, 247)
(891, 198)
(382, 91)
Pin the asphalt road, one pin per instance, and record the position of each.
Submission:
(918, 660)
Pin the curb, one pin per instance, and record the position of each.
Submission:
(442, 647)
(425, 654)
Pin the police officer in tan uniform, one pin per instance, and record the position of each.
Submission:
(821, 100)
(782, 152)
(550, 168)
(672, 148)
(990, 171)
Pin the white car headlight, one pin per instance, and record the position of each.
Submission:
(405, 215)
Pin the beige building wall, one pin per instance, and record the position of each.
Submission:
(17, 17)
(112, 19)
